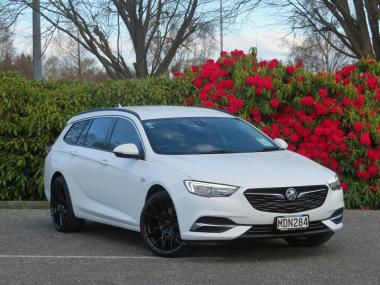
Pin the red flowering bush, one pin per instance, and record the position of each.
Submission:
(330, 118)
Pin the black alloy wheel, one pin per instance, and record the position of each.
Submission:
(61, 209)
(159, 226)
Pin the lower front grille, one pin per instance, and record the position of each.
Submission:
(270, 231)
(275, 200)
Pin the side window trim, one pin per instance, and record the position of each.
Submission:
(110, 132)
(111, 128)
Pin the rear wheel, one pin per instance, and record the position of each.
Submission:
(309, 241)
(159, 226)
(61, 209)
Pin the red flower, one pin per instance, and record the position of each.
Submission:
(207, 104)
(344, 186)
(257, 119)
(372, 83)
(373, 169)
(223, 53)
(347, 70)
(259, 82)
(274, 102)
(197, 82)
(294, 137)
(351, 135)
(203, 95)
(189, 101)
(323, 92)
(290, 69)
(195, 68)
(320, 109)
(358, 126)
(255, 111)
(347, 101)
(263, 63)
(373, 188)
(272, 64)
(365, 139)
(307, 101)
(377, 95)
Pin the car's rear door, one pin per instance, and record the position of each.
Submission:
(88, 167)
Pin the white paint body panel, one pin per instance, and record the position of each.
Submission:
(114, 192)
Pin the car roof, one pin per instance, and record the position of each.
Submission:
(154, 112)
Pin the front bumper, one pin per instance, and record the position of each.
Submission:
(246, 218)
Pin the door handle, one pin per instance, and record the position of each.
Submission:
(104, 162)
(74, 153)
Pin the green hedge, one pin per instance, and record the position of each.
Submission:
(34, 113)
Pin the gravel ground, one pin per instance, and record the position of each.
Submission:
(32, 252)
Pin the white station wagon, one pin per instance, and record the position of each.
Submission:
(182, 175)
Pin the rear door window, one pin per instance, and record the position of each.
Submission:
(98, 132)
(75, 131)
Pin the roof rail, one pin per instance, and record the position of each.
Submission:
(120, 109)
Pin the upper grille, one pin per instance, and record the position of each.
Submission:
(274, 199)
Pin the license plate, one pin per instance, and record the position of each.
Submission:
(292, 223)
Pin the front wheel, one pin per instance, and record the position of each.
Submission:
(309, 241)
(159, 226)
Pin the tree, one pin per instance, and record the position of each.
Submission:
(9, 61)
(354, 25)
(72, 61)
(155, 30)
(6, 41)
(196, 49)
(317, 54)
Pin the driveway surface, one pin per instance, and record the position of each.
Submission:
(32, 252)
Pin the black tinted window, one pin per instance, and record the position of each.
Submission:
(124, 132)
(97, 134)
(73, 134)
(205, 136)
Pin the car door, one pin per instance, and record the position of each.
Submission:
(124, 176)
(88, 166)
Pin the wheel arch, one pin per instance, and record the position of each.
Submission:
(155, 189)
(54, 176)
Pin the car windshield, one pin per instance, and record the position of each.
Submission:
(206, 135)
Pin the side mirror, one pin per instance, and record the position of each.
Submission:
(281, 143)
(128, 150)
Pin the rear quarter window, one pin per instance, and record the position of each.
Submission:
(74, 132)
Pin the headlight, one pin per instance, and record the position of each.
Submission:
(209, 189)
(334, 183)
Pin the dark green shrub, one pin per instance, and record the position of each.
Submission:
(34, 113)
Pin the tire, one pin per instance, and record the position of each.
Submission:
(159, 226)
(61, 208)
(309, 241)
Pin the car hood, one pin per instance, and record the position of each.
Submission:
(255, 170)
